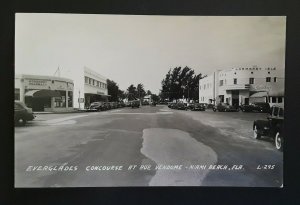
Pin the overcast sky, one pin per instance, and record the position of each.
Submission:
(131, 49)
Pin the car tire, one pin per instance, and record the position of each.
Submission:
(243, 110)
(278, 141)
(23, 122)
(214, 110)
(255, 134)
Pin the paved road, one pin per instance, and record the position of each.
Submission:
(148, 146)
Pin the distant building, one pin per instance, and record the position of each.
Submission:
(45, 93)
(239, 86)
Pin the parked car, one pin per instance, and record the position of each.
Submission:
(97, 106)
(107, 106)
(197, 106)
(145, 103)
(153, 103)
(181, 106)
(22, 113)
(135, 103)
(272, 127)
(224, 107)
(256, 107)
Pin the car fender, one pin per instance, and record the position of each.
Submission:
(260, 124)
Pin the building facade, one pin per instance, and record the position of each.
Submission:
(45, 93)
(239, 86)
(90, 86)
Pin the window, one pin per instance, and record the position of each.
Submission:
(90, 81)
(273, 99)
(251, 72)
(279, 99)
(204, 86)
(221, 82)
(94, 82)
(268, 79)
(281, 113)
(275, 111)
(275, 79)
(251, 80)
(70, 99)
(86, 80)
(235, 81)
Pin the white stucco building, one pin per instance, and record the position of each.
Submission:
(45, 93)
(89, 86)
(238, 86)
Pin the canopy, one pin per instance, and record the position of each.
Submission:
(43, 93)
(259, 95)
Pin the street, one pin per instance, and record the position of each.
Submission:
(146, 146)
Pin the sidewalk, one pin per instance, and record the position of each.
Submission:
(74, 111)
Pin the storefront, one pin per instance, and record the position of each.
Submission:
(45, 93)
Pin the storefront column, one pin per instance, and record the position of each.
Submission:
(67, 101)
(52, 103)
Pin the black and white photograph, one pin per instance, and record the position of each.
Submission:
(107, 100)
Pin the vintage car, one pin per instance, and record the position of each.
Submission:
(224, 107)
(272, 127)
(135, 103)
(256, 107)
(153, 103)
(181, 106)
(197, 106)
(97, 106)
(22, 113)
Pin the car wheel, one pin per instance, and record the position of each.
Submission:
(214, 110)
(23, 121)
(256, 135)
(278, 141)
(243, 110)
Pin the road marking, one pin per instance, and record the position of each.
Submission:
(176, 147)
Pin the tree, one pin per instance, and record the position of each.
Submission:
(140, 91)
(149, 92)
(132, 92)
(112, 89)
(180, 83)
(154, 97)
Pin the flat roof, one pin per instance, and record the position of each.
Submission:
(42, 77)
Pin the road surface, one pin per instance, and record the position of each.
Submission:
(147, 146)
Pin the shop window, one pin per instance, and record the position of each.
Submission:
(234, 81)
(251, 80)
(221, 82)
(61, 101)
(275, 79)
(268, 79)
(279, 99)
(273, 99)
(17, 94)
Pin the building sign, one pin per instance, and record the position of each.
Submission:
(100, 93)
(37, 82)
(260, 87)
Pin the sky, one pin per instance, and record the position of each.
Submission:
(132, 49)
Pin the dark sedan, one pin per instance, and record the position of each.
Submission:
(197, 106)
(224, 107)
(97, 106)
(256, 107)
(22, 113)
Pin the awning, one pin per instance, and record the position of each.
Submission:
(259, 95)
(43, 93)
